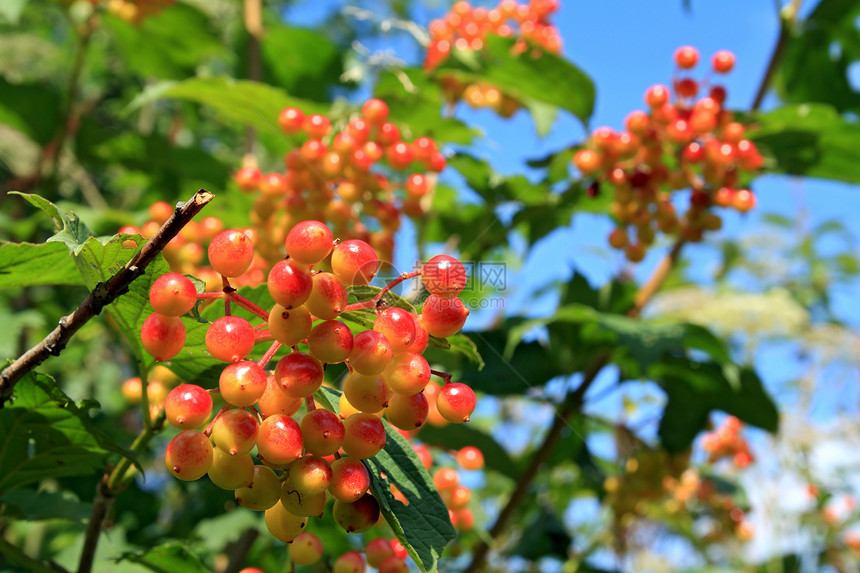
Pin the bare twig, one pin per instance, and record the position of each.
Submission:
(102, 295)
(787, 19)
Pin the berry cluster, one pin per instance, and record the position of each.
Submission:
(655, 483)
(727, 442)
(359, 179)
(320, 453)
(465, 27)
(680, 143)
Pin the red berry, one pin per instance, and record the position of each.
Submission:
(299, 374)
(230, 338)
(354, 262)
(289, 283)
(322, 431)
(291, 119)
(444, 276)
(316, 126)
(398, 326)
(456, 402)
(279, 440)
(686, 57)
(309, 242)
(375, 111)
(407, 412)
(470, 458)
(188, 455)
(371, 352)
(242, 383)
(328, 296)
(249, 178)
(656, 95)
(188, 406)
(231, 253)
(443, 316)
(235, 431)
(330, 342)
(349, 479)
(723, 62)
(162, 336)
(356, 517)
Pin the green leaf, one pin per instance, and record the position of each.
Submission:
(817, 59)
(544, 536)
(167, 558)
(98, 262)
(34, 505)
(457, 436)
(240, 101)
(811, 140)
(46, 435)
(70, 229)
(695, 389)
(33, 109)
(462, 344)
(28, 264)
(177, 41)
(423, 526)
(548, 79)
(305, 63)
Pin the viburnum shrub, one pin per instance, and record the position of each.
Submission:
(277, 456)
(687, 141)
(466, 27)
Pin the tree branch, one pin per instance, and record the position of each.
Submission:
(787, 19)
(102, 295)
(571, 405)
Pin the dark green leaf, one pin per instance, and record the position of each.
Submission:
(167, 558)
(423, 526)
(33, 109)
(35, 505)
(176, 41)
(244, 102)
(817, 59)
(544, 536)
(28, 264)
(46, 435)
(457, 436)
(303, 62)
(811, 140)
(695, 389)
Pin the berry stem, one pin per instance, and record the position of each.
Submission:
(248, 305)
(310, 404)
(374, 302)
(102, 295)
(269, 354)
(262, 336)
(208, 431)
(394, 283)
(444, 375)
